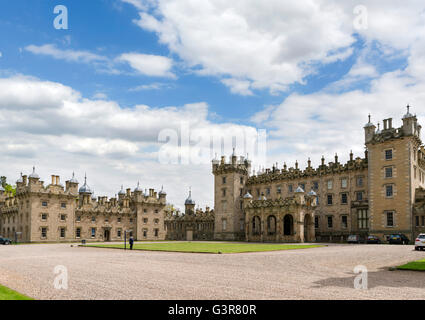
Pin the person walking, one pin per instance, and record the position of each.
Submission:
(131, 242)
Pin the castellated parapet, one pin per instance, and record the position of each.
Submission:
(373, 194)
(68, 213)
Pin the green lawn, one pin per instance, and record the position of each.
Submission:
(414, 265)
(209, 247)
(8, 294)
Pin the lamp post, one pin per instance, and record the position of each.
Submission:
(125, 238)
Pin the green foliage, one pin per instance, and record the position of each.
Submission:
(7, 186)
(8, 294)
(415, 265)
(211, 247)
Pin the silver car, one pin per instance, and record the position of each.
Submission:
(420, 242)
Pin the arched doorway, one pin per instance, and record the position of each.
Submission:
(271, 225)
(107, 235)
(307, 223)
(256, 225)
(288, 225)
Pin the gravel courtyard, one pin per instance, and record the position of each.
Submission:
(318, 273)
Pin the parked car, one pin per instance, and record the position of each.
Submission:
(5, 241)
(354, 238)
(373, 239)
(420, 242)
(398, 239)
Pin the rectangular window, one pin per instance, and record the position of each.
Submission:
(316, 185)
(63, 205)
(344, 222)
(131, 220)
(359, 196)
(330, 222)
(44, 203)
(78, 219)
(119, 219)
(362, 218)
(417, 221)
(423, 221)
(224, 224)
(302, 185)
(223, 191)
(119, 233)
(62, 232)
(156, 221)
(224, 205)
(224, 180)
(93, 219)
(44, 216)
(344, 198)
(389, 154)
(316, 222)
(359, 181)
(241, 180)
(145, 220)
(156, 232)
(390, 219)
(388, 172)
(330, 184)
(268, 191)
(44, 232)
(78, 232)
(93, 232)
(389, 191)
(145, 233)
(279, 190)
(63, 217)
(329, 199)
(344, 183)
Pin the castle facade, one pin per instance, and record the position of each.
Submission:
(380, 193)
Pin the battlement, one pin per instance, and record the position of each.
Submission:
(409, 128)
(234, 164)
(275, 174)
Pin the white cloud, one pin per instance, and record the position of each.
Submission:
(150, 65)
(67, 55)
(53, 127)
(238, 86)
(270, 44)
(151, 86)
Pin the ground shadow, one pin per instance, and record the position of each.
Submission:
(381, 278)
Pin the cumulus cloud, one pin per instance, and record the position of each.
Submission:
(145, 64)
(269, 44)
(54, 127)
(150, 65)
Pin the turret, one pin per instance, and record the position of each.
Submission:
(189, 204)
(369, 130)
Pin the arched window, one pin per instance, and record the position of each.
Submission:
(288, 225)
(256, 225)
(271, 225)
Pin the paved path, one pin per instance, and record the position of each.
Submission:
(319, 273)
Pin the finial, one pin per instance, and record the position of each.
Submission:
(85, 178)
(233, 151)
(369, 117)
(408, 108)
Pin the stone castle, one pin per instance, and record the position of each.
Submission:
(380, 194)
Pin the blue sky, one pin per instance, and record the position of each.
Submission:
(95, 97)
(105, 27)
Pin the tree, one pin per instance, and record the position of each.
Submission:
(7, 186)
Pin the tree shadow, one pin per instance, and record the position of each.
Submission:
(381, 278)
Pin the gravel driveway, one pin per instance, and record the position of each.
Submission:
(319, 273)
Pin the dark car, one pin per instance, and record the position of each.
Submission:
(355, 238)
(373, 239)
(5, 241)
(398, 239)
